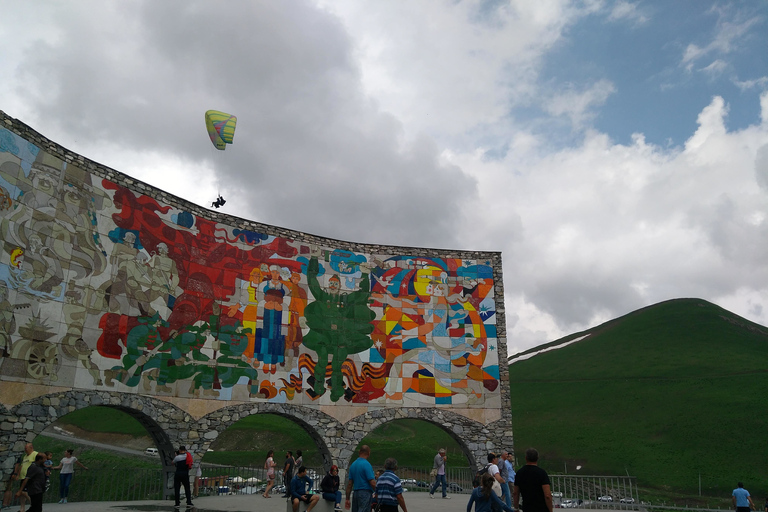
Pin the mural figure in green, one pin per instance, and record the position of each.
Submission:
(339, 325)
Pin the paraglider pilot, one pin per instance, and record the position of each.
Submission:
(219, 202)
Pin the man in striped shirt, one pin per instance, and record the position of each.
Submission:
(389, 491)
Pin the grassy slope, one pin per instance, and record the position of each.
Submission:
(412, 442)
(665, 393)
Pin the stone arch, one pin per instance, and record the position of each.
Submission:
(322, 428)
(25, 421)
(474, 438)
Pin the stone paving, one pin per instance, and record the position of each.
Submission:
(416, 502)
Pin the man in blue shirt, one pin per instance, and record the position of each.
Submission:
(510, 474)
(741, 499)
(362, 481)
(389, 490)
(299, 485)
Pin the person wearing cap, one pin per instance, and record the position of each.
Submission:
(183, 462)
(330, 487)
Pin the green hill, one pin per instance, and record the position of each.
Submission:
(671, 393)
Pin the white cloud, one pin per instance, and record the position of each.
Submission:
(579, 106)
(627, 11)
(376, 121)
(760, 83)
(729, 34)
(715, 68)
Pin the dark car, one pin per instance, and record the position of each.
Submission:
(453, 486)
(421, 483)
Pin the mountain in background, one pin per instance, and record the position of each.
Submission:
(675, 394)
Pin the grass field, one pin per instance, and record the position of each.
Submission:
(245, 443)
(104, 419)
(672, 394)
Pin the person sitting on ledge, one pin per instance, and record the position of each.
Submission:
(299, 485)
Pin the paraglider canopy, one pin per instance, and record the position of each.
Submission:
(221, 128)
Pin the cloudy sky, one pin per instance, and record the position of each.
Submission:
(615, 152)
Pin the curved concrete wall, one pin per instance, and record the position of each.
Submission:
(108, 284)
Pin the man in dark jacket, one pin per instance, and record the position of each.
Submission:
(34, 483)
(183, 462)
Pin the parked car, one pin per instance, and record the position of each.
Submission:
(152, 452)
(605, 498)
(571, 503)
(627, 500)
(453, 486)
(421, 483)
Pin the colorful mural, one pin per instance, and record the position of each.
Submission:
(105, 288)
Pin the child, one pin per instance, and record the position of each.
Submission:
(374, 498)
(48, 464)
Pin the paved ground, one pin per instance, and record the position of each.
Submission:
(416, 502)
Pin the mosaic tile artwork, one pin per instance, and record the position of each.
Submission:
(105, 288)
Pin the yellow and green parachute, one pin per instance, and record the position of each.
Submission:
(221, 128)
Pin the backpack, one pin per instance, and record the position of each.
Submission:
(479, 476)
(189, 460)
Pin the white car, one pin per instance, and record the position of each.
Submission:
(605, 498)
(627, 500)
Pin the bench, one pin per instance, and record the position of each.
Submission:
(322, 506)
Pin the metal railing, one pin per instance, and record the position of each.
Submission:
(130, 484)
(107, 484)
(608, 492)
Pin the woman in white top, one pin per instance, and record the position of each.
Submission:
(67, 467)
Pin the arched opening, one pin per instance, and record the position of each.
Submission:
(101, 439)
(236, 460)
(414, 443)
(34, 416)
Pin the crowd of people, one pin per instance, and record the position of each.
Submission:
(497, 486)
(32, 471)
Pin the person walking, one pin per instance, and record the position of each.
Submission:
(510, 474)
(438, 467)
(290, 463)
(67, 467)
(269, 465)
(389, 490)
(198, 477)
(330, 487)
(742, 501)
(503, 473)
(361, 480)
(183, 462)
(484, 498)
(532, 483)
(34, 484)
(29, 457)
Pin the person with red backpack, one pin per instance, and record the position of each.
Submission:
(183, 462)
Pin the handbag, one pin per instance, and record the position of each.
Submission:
(433, 472)
(497, 487)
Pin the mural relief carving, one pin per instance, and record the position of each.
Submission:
(104, 288)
